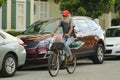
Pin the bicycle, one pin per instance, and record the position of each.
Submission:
(57, 58)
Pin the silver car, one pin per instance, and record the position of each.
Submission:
(12, 54)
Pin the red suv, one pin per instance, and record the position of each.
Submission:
(86, 30)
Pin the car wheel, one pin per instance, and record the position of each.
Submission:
(9, 66)
(98, 58)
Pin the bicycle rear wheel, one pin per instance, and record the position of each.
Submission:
(71, 65)
(53, 64)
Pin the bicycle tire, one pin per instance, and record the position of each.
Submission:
(71, 65)
(53, 64)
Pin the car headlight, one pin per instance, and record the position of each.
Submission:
(47, 41)
(42, 43)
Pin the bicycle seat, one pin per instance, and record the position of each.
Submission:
(76, 44)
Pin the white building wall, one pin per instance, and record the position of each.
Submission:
(0, 18)
(41, 9)
(8, 14)
(20, 23)
(105, 20)
(108, 20)
(36, 17)
(32, 12)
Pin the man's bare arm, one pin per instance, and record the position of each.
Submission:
(54, 31)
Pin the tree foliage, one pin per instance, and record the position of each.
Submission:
(57, 1)
(117, 5)
(1, 2)
(116, 21)
(92, 8)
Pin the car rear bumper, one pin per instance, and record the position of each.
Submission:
(21, 58)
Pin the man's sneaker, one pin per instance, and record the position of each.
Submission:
(70, 58)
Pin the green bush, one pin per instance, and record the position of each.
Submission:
(14, 33)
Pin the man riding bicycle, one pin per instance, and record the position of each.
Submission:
(68, 33)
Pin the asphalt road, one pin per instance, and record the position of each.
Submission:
(109, 70)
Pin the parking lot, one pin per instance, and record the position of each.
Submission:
(85, 70)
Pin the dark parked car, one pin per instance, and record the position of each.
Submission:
(86, 30)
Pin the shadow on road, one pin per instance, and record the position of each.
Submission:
(86, 62)
(112, 58)
(80, 62)
(33, 69)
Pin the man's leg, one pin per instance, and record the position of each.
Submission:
(67, 48)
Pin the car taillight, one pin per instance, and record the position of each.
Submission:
(21, 43)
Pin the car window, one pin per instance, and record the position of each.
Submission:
(34, 28)
(92, 25)
(42, 28)
(49, 27)
(113, 32)
(81, 26)
(1, 37)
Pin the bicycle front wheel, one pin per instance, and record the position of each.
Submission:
(53, 64)
(71, 65)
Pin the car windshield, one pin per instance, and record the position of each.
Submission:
(42, 27)
(113, 32)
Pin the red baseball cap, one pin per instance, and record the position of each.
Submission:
(65, 13)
